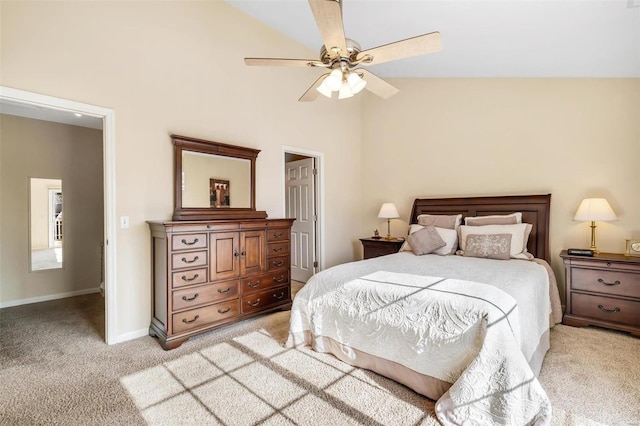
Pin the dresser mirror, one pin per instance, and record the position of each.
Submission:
(213, 180)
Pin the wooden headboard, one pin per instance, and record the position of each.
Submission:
(534, 208)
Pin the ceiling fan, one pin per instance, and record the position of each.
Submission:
(341, 56)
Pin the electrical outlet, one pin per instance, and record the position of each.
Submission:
(124, 221)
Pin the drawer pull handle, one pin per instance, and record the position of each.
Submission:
(279, 297)
(220, 311)
(601, 281)
(257, 302)
(224, 291)
(278, 235)
(253, 285)
(277, 249)
(184, 320)
(186, 299)
(279, 279)
(278, 263)
(184, 278)
(189, 244)
(244, 253)
(184, 259)
(609, 311)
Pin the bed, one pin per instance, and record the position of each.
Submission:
(468, 332)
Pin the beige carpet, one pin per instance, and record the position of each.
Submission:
(57, 370)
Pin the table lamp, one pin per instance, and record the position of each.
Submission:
(388, 211)
(594, 209)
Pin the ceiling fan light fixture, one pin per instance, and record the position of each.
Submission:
(355, 82)
(323, 89)
(334, 81)
(345, 92)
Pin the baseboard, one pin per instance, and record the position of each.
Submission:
(48, 297)
(132, 335)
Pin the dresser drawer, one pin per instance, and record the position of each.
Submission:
(183, 278)
(615, 283)
(200, 295)
(262, 282)
(277, 249)
(201, 317)
(264, 299)
(277, 234)
(189, 260)
(606, 308)
(188, 241)
(275, 263)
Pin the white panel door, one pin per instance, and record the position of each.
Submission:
(300, 204)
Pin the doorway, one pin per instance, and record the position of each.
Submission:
(55, 107)
(303, 201)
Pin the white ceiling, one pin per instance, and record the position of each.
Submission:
(507, 38)
(38, 112)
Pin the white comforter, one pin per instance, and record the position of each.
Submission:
(457, 329)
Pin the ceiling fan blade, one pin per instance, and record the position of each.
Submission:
(419, 45)
(277, 62)
(328, 16)
(311, 94)
(376, 85)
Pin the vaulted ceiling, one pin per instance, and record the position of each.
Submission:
(507, 38)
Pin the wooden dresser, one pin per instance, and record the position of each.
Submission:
(603, 290)
(210, 273)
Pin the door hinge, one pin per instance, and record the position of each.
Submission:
(315, 172)
(315, 264)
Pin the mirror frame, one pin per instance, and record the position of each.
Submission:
(184, 143)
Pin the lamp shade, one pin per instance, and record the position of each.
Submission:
(388, 211)
(595, 209)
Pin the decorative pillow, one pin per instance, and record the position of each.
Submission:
(519, 237)
(497, 219)
(440, 220)
(450, 237)
(425, 241)
(488, 246)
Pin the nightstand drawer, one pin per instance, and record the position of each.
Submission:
(606, 308)
(602, 281)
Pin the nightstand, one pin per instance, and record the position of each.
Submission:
(379, 247)
(603, 290)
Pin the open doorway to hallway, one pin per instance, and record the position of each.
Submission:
(303, 201)
(85, 141)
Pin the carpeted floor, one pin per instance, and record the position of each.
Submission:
(57, 370)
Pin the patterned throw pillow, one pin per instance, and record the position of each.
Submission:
(488, 246)
(425, 241)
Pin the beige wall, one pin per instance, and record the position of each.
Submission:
(573, 138)
(33, 148)
(177, 67)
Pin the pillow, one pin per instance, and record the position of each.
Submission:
(425, 241)
(450, 237)
(440, 220)
(519, 237)
(497, 219)
(488, 246)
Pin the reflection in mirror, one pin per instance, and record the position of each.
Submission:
(45, 227)
(215, 181)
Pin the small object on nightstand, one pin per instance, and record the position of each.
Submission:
(376, 235)
(580, 252)
(633, 248)
(374, 247)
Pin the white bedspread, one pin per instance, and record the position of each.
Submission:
(477, 336)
